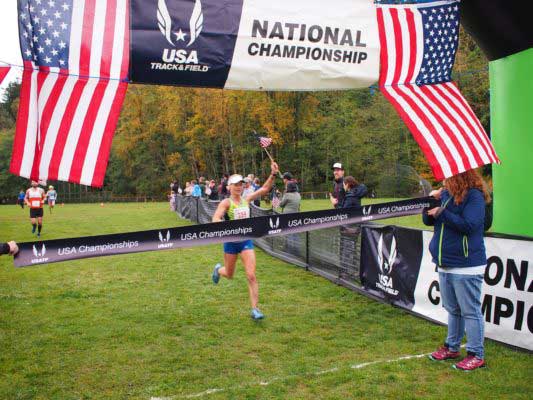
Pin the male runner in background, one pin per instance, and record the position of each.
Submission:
(20, 199)
(51, 196)
(35, 200)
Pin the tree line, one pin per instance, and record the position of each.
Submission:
(168, 133)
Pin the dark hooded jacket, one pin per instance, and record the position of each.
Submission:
(353, 196)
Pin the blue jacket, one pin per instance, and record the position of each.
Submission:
(353, 196)
(458, 235)
(196, 191)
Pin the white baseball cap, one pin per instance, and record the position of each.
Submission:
(337, 165)
(236, 178)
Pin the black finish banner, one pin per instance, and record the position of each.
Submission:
(390, 263)
(49, 251)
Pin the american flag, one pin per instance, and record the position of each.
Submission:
(3, 72)
(276, 202)
(264, 142)
(76, 56)
(418, 46)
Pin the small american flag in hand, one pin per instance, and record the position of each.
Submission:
(264, 142)
(275, 202)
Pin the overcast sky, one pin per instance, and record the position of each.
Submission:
(9, 44)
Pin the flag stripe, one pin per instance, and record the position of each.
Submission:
(105, 145)
(3, 72)
(31, 128)
(461, 154)
(463, 105)
(19, 141)
(475, 149)
(72, 98)
(422, 135)
(59, 125)
(86, 130)
(428, 119)
(119, 68)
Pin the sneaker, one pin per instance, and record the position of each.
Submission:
(38, 234)
(33, 229)
(470, 363)
(256, 314)
(444, 353)
(216, 275)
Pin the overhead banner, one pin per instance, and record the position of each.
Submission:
(396, 266)
(255, 44)
(44, 252)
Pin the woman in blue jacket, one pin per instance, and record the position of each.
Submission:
(354, 192)
(458, 249)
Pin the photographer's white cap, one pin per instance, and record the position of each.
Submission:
(236, 178)
(337, 165)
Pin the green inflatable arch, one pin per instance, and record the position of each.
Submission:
(504, 33)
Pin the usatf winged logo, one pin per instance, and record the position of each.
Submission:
(367, 211)
(385, 265)
(162, 239)
(385, 280)
(40, 254)
(274, 226)
(164, 22)
(165, 241)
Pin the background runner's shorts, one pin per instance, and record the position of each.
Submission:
(237, 247)
(36, 212)
(51, 202)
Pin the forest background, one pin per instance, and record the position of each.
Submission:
(170, 133)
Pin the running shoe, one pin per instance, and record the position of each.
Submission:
(33, 229)
(470, 363)
(216, 275)
(444, 353)
(38, 234)
(256, 314)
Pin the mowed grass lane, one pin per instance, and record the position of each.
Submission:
(153, 325)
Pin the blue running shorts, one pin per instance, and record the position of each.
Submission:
(237, 247)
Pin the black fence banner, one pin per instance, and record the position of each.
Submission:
(42, 252)
(396, 265)
(390, 261)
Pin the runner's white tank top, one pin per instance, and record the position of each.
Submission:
(35, 196)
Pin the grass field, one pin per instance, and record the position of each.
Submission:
(152, 325)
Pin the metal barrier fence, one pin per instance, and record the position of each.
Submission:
(333, 253)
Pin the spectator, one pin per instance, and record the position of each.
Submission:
(287, 177)
(257, 185)
(337, 197)
(223, 187)
(290, 202)
(196, 191)
(201, 183)
(188, 189)
(248, 188)
(458, 250)
(211, 190)
(354, 192)
(172, 200)
(10, 248)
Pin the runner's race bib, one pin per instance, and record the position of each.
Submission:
(36, 203)
(241, 212)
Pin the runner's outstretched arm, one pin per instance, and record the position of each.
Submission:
(274, 169)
